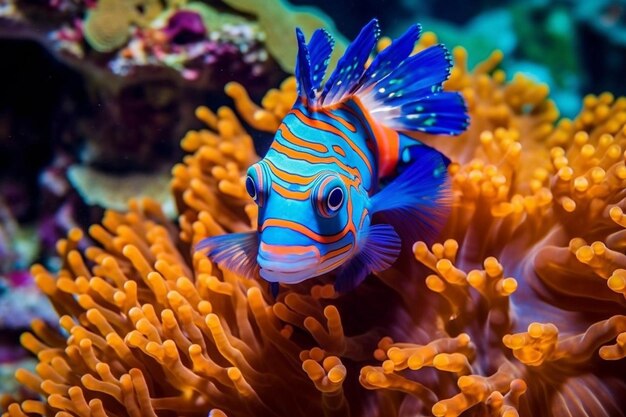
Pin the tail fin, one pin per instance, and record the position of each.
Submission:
(399, 90)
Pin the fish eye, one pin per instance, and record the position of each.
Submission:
(255, 184)
(251, 187)
(335, 198)
(329, 195)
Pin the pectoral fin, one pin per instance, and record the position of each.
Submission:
(236, 252)
(381, 249)
(419, 199)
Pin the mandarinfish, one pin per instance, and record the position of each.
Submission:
(319, 184)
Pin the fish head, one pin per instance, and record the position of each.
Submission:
(308, 227)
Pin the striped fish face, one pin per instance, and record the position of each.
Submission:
(312, 189)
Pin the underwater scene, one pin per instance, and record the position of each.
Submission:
(293, 208)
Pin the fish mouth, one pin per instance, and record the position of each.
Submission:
(294, 277)
(287, 264)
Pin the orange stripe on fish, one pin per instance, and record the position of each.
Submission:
(351, 127)
(300, 228)
(295, 140)
(290, 177)
(297, 227)
(337, 252)
(292, 153)
(339, 151)
(296, 195)
(387, 140)
(327, 127)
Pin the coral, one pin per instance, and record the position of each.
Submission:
(98, 188)
(121, 42)
(107, 25)
(531, 198)
(201, 43)
(520, 310)
(213, 18)
(185, 26)
(550, 41)
(278, 17)
(21, 302)
(8, 230)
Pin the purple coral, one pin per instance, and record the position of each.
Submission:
(184, 27)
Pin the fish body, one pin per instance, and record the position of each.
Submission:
(318, 186)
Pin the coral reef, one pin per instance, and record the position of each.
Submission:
(107, 24)
(278, 17)
(8, 229)
(20, 299)
(520, 310)
(122, 38)
(114, 191)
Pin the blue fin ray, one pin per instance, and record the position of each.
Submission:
(419, 198)
(236, 252)
(414, 150)
(443, 113)
(420, 75)
(345, 78)
(390, 58)
(411, 96)
(303, 69)
(320, 49)
(381, 249)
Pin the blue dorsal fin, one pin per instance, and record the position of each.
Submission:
(320, 49)
(410, 97)
(381, 249)
(442, 113)
(419, 198)
(416, 77)
(303, 69)
(351, 65)
(399, 90)
(236, 252)
(391, 57)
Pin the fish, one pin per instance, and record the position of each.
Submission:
(344, 182)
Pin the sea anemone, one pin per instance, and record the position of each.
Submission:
(518, 310)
